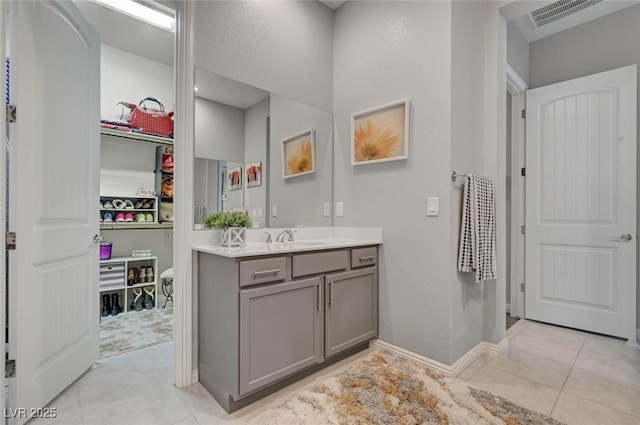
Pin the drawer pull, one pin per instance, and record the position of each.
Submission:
(319, 297)
(331, 297)
(263, 272)
(368, 258)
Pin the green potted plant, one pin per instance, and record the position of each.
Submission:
(233, 225)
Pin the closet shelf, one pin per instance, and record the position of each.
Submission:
(137, 136)
(133, 225)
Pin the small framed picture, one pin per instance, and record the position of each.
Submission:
(235, 178)
(253, 171)
(299, 154)
(380, 134)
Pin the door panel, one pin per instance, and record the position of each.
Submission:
(580, 200)
(53, 199)
(351, 309)
(279, 332)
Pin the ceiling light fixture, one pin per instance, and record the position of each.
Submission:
(195, 88)
(141, 12)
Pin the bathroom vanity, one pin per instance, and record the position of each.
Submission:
(270, 313)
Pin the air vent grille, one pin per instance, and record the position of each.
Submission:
(559, 10)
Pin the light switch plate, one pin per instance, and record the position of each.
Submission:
(274, 210)
(259, 212)
(326, 209)
(433, 206)
(339, 209)
(253, 213)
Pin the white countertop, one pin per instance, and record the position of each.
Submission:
(306, 239)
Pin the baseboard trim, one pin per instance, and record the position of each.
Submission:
(508, 308)
(194, 376)
(634, 342)
(455, 369)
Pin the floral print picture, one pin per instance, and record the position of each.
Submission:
(380, 134)
(254, 173)
(235, 178)
(299, 154)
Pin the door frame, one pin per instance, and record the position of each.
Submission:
(517, 87)
(184, 145)
(3, 206)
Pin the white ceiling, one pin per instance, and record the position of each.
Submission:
(226, 91)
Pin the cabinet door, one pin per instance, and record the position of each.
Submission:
(351, 314)
(280, 329)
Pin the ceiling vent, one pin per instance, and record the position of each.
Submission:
(556, 11)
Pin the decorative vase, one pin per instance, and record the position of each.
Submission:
(234, 236)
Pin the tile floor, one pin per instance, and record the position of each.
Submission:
(576, 377)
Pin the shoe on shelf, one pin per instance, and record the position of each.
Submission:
(149, 297)
(140, 218)
(128, 217)
(128, 205)
(108, 217)
(119, 217)
(149, 218)
(142, 277)
(118, 204)
(100, 217)
(115, 305)
(139, 205)
(132, 276)
(101, 205)
(136, 304)
(108, 205)
(106, 305)
(145, 192)
(150, 274)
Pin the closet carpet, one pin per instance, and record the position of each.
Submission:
(134, 330)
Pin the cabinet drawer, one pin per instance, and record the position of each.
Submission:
(112, 275)
(254, 272)
(319, 262)
(361, 257)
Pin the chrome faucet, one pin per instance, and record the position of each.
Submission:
(269, 240)
(285, 233)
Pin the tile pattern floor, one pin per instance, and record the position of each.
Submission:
(576, 377)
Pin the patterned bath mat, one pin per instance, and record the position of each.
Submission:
(386, 389)
(134, 330)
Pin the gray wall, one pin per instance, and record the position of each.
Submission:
(282, 47)
(517, 51)
(255, 149)
(300, 199)
(466, 156)
(609, 42)
(219, 131)
(386, 51)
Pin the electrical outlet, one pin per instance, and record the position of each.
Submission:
(259, 212)
(326, 209)
(274, 210)
(339, 209)
(253, 213)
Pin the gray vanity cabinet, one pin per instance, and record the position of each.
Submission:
(280, 331)
(351, 313)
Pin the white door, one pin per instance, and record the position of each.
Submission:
(53, 199)
(581, 203)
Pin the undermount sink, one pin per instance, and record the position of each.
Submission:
(298, 243)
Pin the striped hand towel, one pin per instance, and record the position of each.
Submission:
(477, 250)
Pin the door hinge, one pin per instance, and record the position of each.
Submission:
(10, 369)
(522, 287)
(524, 113)
(11, 113)
(10, 241)
(523, 229)
(523, 172)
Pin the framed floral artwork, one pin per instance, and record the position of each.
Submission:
(253, 172)
(299, 154)
(235, 178)
(380, 134)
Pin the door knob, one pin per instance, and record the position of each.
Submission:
(625, 237)
(96, 239)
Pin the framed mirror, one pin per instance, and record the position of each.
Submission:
(266, 153)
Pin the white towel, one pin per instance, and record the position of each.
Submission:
(477, 250)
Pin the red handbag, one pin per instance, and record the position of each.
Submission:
(151, 121)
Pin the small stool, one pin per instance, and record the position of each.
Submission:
(167, 285)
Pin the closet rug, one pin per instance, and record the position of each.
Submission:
(134, 330)
(383, 388)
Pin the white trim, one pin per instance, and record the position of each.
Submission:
(3, 206)
(194, 376)
(515, 83)
(183, 202)
(508, 307)
(517, 257)
(450, 371)
(635, 342)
